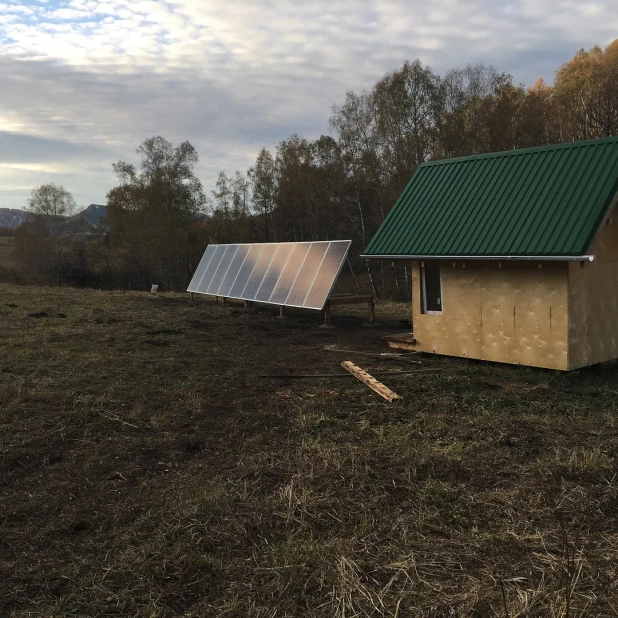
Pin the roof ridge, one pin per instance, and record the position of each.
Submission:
(506, 153)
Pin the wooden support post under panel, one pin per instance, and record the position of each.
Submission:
(370, 381)
(326, 312)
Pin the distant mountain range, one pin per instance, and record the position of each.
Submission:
(85, 219)
(12, 217)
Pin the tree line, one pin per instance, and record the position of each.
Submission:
(340, 185)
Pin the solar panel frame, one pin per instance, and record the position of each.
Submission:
(261, 272)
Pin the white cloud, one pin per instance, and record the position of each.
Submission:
(233, 76)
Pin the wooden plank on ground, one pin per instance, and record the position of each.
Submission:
(370, 381)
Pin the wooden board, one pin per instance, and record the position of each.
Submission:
(402, 342)
(350, 300)
(347, 299)
(370, 381)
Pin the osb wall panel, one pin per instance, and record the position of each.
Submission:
(593, 302)
(452, 333)
(514, 314)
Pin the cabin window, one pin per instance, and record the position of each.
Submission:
(431, 282)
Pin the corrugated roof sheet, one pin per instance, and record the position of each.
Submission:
(546, 201)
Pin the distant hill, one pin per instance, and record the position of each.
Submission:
(12, 217)
(88, 218)
(84, 220)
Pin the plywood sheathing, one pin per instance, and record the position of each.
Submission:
(516, 313)
(593, 302)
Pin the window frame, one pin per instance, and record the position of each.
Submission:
(424, 309)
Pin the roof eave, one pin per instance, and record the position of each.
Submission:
(496, 258)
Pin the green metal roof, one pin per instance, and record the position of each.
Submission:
(546, 201)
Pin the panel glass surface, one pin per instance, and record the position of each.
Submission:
(211, 269)
(201, 268)
(217, 278)
(245, 271)
(294, 274)
(233, 270)
(288, 276)
(325, 279)
(307, 274)
(274, 272)
(261, 266)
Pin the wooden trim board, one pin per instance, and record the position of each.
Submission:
(402, 342)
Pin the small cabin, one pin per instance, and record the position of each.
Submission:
(514, 255)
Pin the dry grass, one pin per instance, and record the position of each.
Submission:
(146, 471)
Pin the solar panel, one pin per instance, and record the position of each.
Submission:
(211, 269)
(323, 282)
(289, 274)
(273, 273)
(224, 264)
(233, 270)
(306, 274)
(259, 271)
(293, 274)
(245, 271)
(201, 268)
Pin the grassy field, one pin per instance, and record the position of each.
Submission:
(147, 470)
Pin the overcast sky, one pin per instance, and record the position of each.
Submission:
(84, 82)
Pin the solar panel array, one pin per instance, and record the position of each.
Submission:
(294, 274)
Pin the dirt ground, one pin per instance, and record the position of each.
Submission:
(147, 469)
